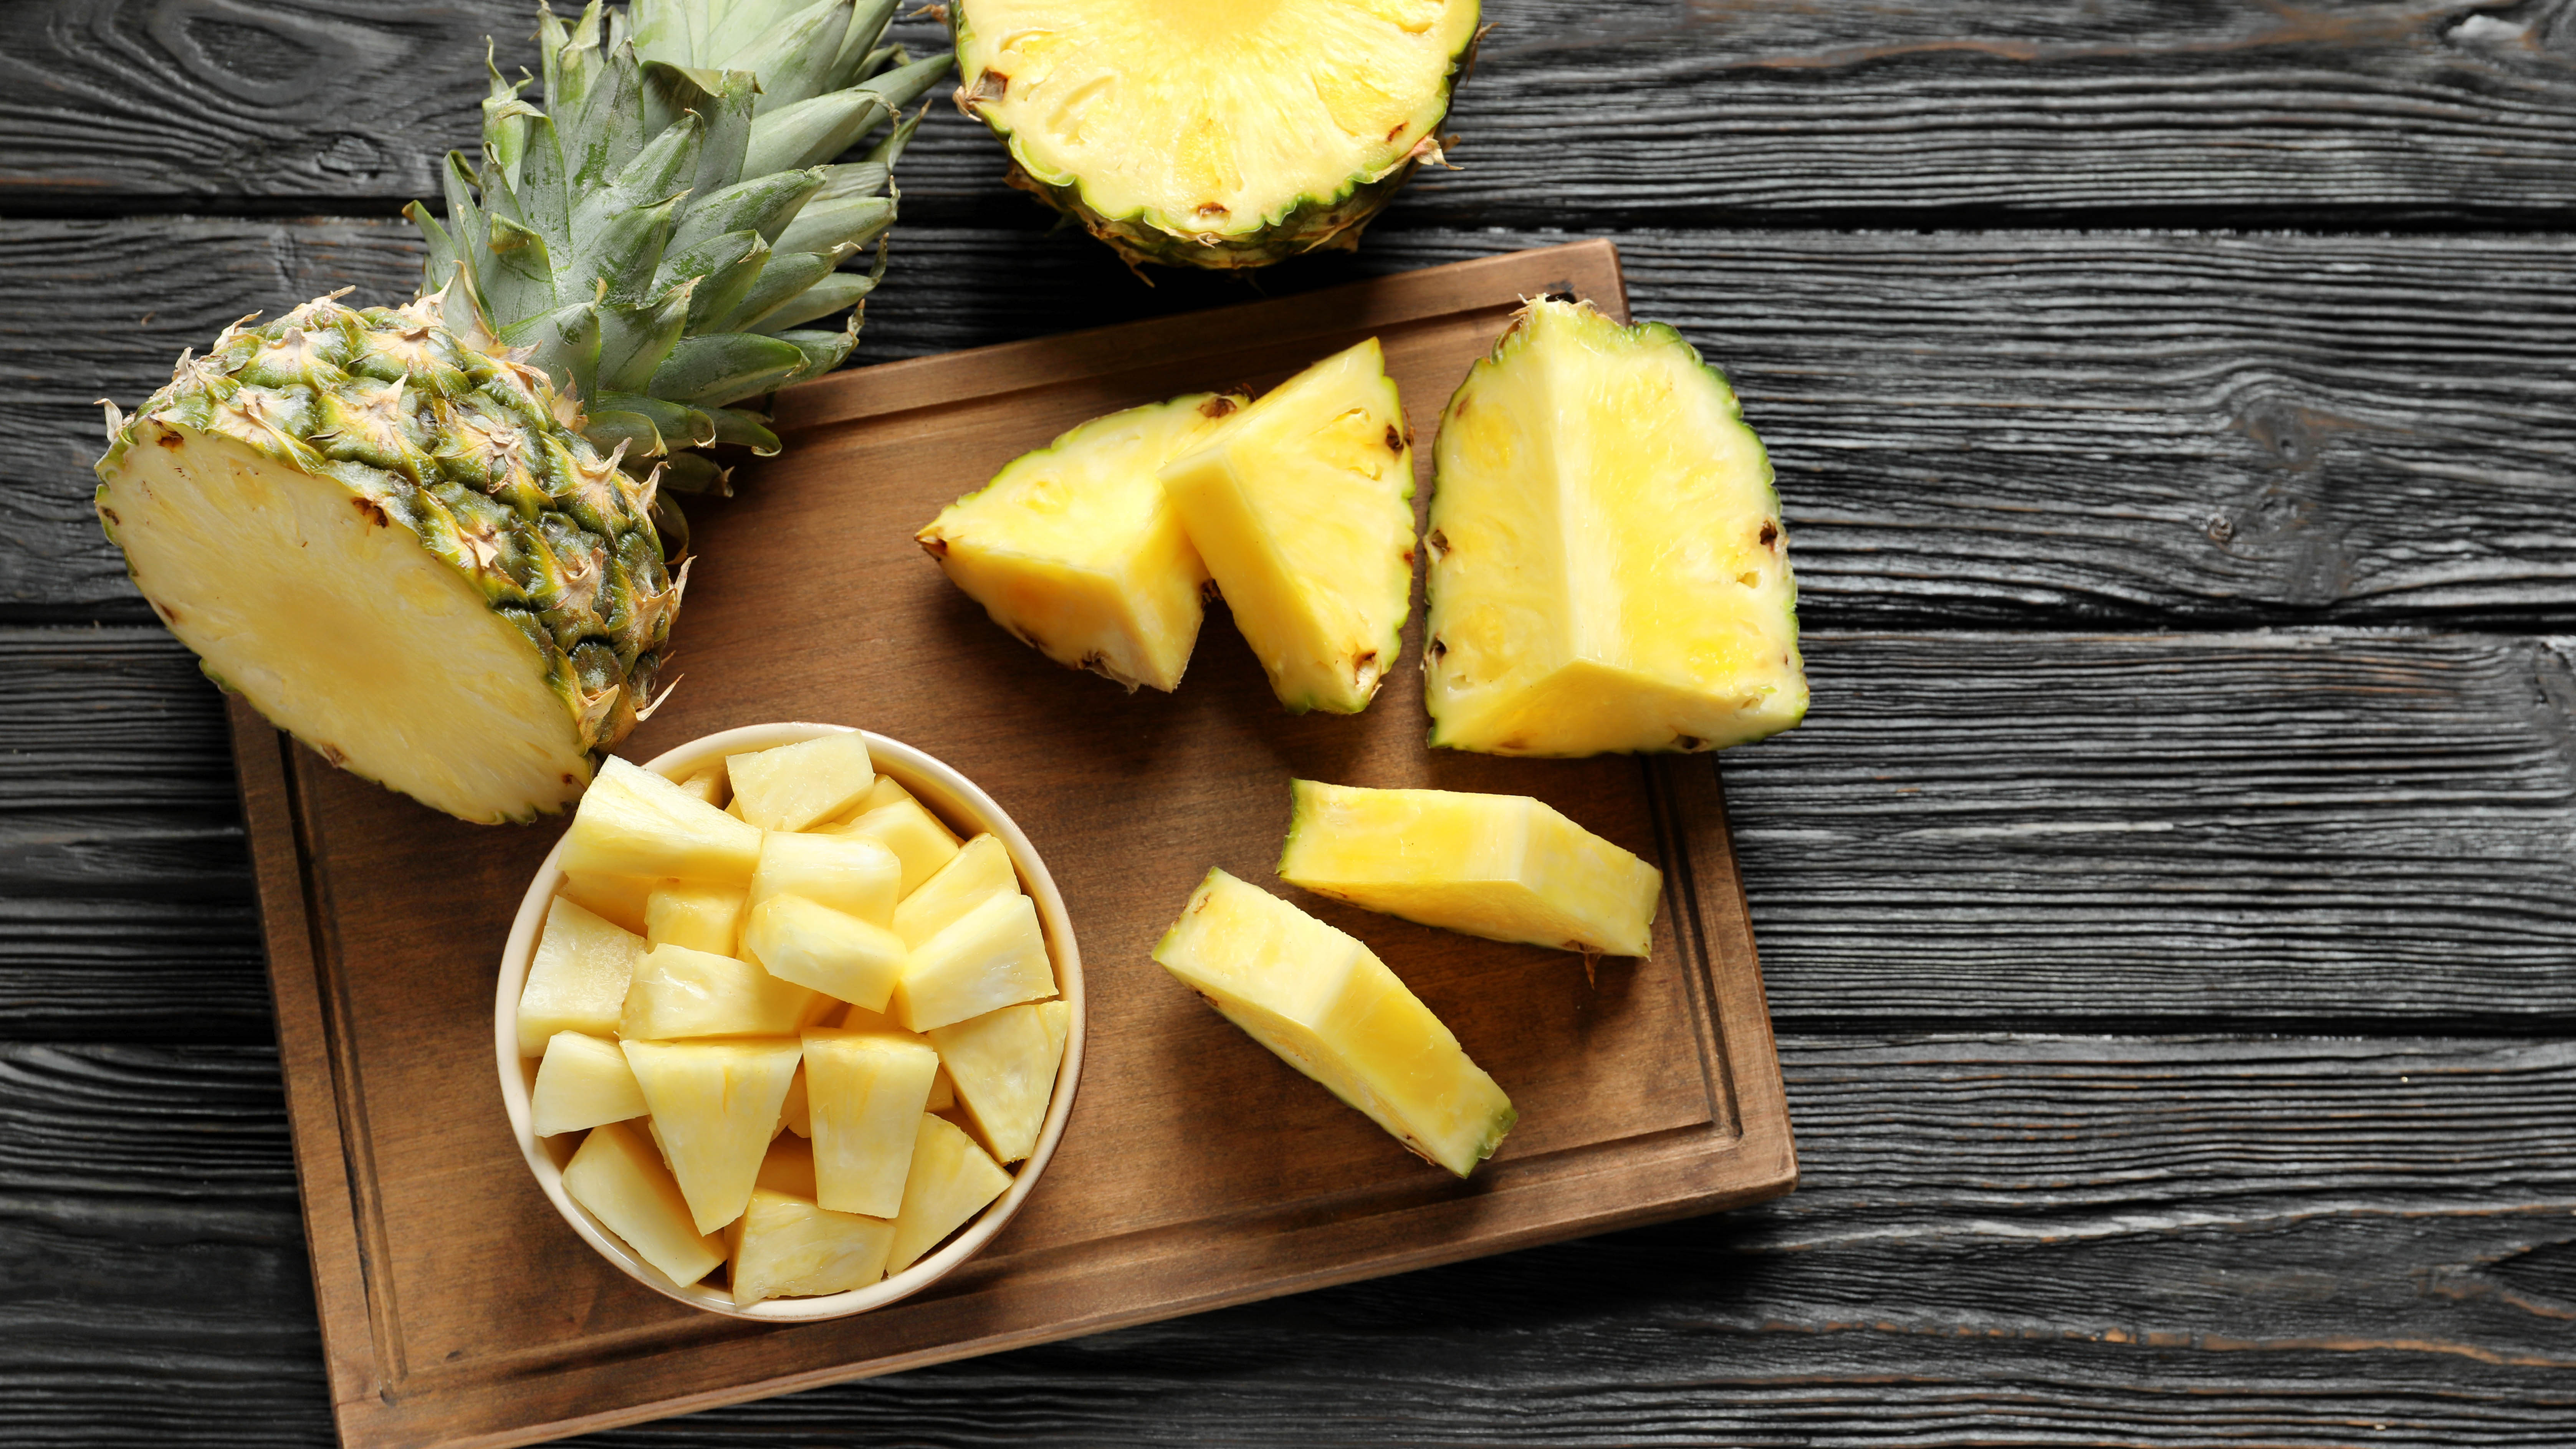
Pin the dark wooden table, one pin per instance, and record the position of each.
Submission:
(2169, 908)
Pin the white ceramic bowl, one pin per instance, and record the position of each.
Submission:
(967, 810)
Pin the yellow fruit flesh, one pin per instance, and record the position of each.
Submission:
(1328, 1007)
(621, 1179)
(812, 945)
(858, 875)
(1002, 1066)
(698, 916)
(867, 1091)
(715, 1107)
(977, 872)
(617, 899)
(918, 839)
(578, 977)
(678, 992)
(951, 1180)
(791, 787)
(633, 822)
(1505, 867)
(583, 1081)
(991, 957)
(786, 1246)
(1608, 571)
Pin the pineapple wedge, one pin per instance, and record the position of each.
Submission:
(693, 914)
(991, 957)
(678, 992)
(1331, 1009)
(578, 979)
(791, 787)
(1301, 504)
(784, 1245)
(980, 870)
(1504, 867)
(616, 899)
(918, 838)
(583, 1081)
(833, 952)
(856, 874)
(715, 1108)
(950, 1181)
(1003, 1067)
(1608, 570)
(796, 1114)
(1073, 549)
(633, 822)
(711, 785)
(867, 1091)
(621, 1179)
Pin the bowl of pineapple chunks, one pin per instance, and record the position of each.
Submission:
(790, 1021)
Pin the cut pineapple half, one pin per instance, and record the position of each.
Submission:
(1218, 133)
(1073, 549)
(1330, 1008)
(1301, 505)
(1504, 867)
(1608, 570)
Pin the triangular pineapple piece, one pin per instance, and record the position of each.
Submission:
(951, 1181)
(833, 952)
(866, 1091)
(616, 899)
(991, 957)
(793, 786)
(583, 1081)
(619, 1177)
(857, 874)
(711, 785)
(633, 822)
(921, 840)
(1003, 1065)
(715, 1107)
(784, 1245)
(678, 992)
(694, 914)
(979, 870)
(578, 978)
(796, 1114)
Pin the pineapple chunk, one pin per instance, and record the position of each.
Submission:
(835, 953)
(1331, 1009)
(715, 1108)
(857, 874)
(578, 979)
(619, 1177)
(881, 794)
(633, 822)
(918, 838)
(951, 1180)
(711, 785)
(1504, 867)
(979, 870)
(796, 1114)
(616, 899)
(991, 957)
(868, 1090)
(1607, 566)
(786, 1246)
(1075, 551)
(692, 914)
(1003, 1065)
(1302, 506)
(943, 1093)
(583, 1082)
(794, 786)
(678, 992)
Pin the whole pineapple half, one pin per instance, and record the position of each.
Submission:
(428, 541)
(1213, 133)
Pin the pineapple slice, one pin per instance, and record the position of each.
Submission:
(711, 785)
(1331, 1009)
(1073, 549)
(784, 1245)
(918, 838)
(867, 1091)
(857, 874)
(991, 957)
(578, 979)
(693, 914)
(1302, 506)
(1504, 867)
(715, 1108)
(950, 1181)
(616, 899)
(980, 870)
(635, 823)
(621, 1179)
(678, 992)
(583, 1082)
(835, 953)
(1607, 567)
(1003, 1067)
(794, 786)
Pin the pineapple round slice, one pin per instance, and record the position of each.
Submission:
(1213, 133)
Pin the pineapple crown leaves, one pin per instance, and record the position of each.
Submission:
(657, 236)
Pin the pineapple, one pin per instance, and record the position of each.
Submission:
(577, 981)
(1208, 133)
(583, 1081)
(858, 875)
(1608, 571)
(1301, 504)
(715, 1108)
(991, 957)
(951, 1179)
(866, 1091)
(617, 899)
(977, 872)
(700, 917)
(1328, 1007)
(919, 839)
(793, 786)
(1074, 551)
(634, 823)
(1504, 867)
(784, 1245)
(1002, 1066)
(813, 945)
(427, 540)
(681, 993)
(622, 1180)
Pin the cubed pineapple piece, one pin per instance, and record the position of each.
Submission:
(633, 822)
(867, 1091)
(699, 916)
(678, 992)
(578, 978)
(715, 1107)
(951, 1180)
(991, 957)
(918, 838)
(1075, 551)
(710, 784)
(784, 1246)
(943, 1093)
(618, 1176)
(1003, 1065)
(796, 1114)
(1505, 867)
(1302, 506)
(583, 1082)
(858, 874)
(831, 951)
(1608, 570)
(1331, 1009)
(793, 786)
(881, 794)
(979, 870)
(616, 899)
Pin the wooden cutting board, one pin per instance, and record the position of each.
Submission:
(1197, 1171)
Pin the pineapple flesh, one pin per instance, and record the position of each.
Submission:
(1073, 550)
(578, 979)
(786, 1245)
(1301, 505)
(1213, 133)
(624, 1183)
(1608, 571)
(951, 1179)
(1002, 1067)
(715, 1107)
(1504, 867)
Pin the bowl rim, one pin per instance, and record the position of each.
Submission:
(925, 775)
